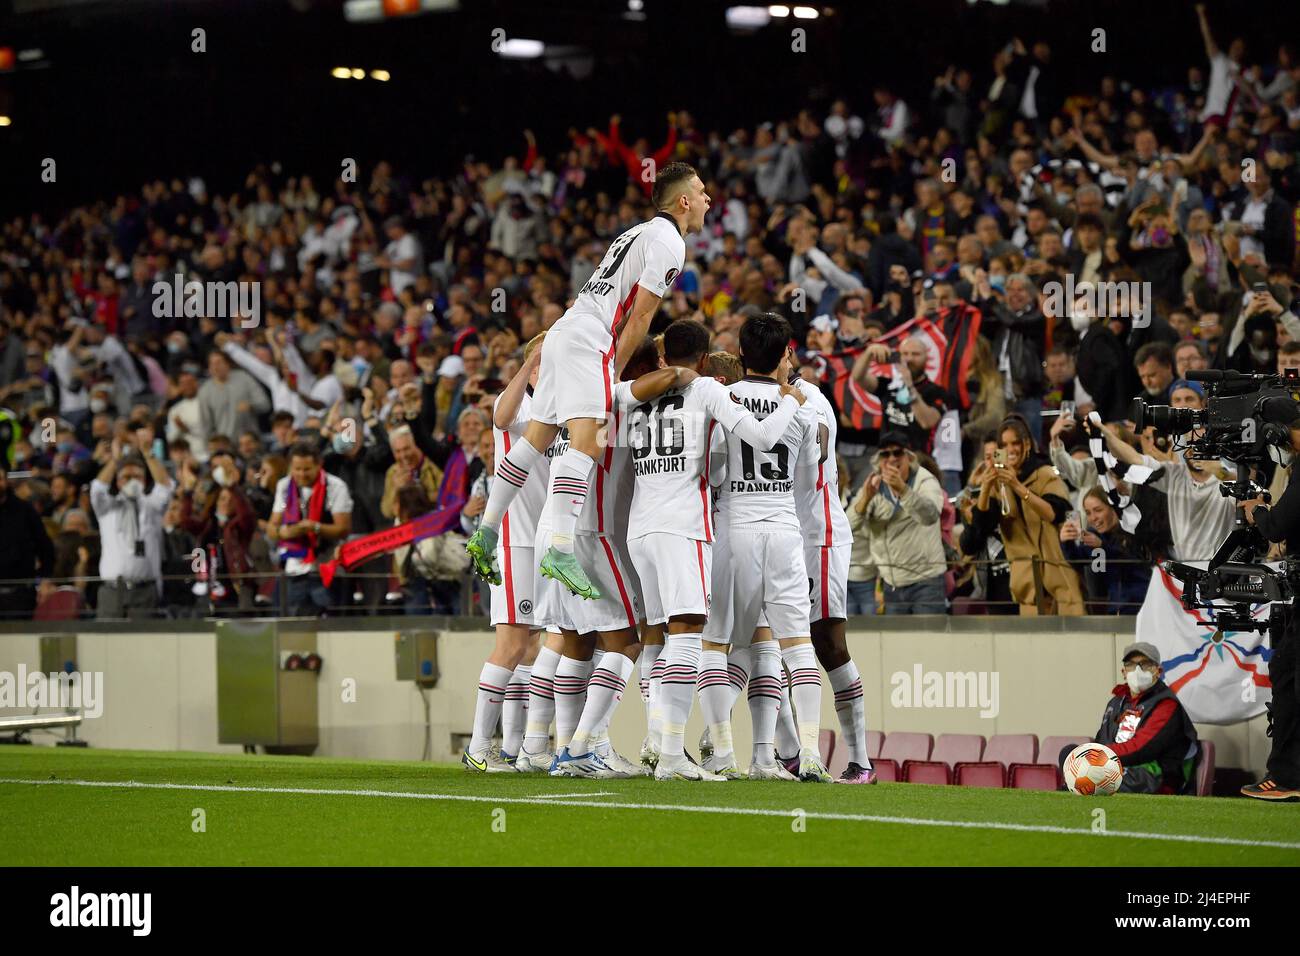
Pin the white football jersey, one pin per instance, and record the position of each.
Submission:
(818, 492)
(648, 256)
(669, 440)
(759, 487)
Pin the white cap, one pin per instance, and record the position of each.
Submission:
(453, 366)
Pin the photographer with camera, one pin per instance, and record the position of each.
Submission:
(1281, 523)
(1200, 516)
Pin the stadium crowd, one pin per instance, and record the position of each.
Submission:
(175, 452)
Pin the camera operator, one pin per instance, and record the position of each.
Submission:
(1200, 517)
(1281, 522)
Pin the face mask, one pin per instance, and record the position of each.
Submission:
(1139, 680)
(1159, 236)
(998, 282)
(66, 446)
(341, 444)
(175, 348)
(222, 476)
(1080, 320)
(221, 519)
(98, 405)
(133, 488)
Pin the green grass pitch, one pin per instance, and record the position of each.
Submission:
(117, 808)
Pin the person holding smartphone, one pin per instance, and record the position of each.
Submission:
(1029, 522)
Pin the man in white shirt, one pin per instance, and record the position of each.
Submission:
(403, 257)
(130, 528)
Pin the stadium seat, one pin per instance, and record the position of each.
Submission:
(1051, 748)
(953, 749)
(1033, 776)
(875, 740)
(1205, 770)
(982, 774)
(1007, 749)
(886, 769)
(926, 771)
(901, 746)
(826, 746)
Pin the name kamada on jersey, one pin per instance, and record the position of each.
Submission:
(759, 488)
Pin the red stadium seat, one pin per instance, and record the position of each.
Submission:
(875, 740)
(1033, 776)
(900, 746)
(1205, 770)
(886, 769)
(1050, 751)
(981, 774)
(826, 746)
(926, 771)
(1007, 749)
(958, 748)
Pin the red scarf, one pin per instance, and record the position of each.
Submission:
(360, 550)
(294, 547)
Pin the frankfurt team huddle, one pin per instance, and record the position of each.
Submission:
(656, 504)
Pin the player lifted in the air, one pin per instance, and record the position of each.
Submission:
(585, 354)
(670, 528)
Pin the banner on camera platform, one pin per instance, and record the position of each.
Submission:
(1219, 677)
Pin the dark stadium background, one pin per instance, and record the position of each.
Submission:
(124, 99)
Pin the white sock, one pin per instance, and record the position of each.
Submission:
(541, 701)
(570, 696)
(716, 697)
(806, 694)
(787, 734)
(604, 690)
(681, 666)
(851, 711)
(655, 714)
(513, 470)
(569, 477)
(765, 700)
(514, 710)
(646, 662)
(492, 681)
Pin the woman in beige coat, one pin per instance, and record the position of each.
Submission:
(1027, 501)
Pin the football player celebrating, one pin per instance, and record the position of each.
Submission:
(670, 531)
(590, 345)
(759, 568)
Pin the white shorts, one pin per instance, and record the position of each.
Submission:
(758, 576)
(548, 611)
(576, 378)
(828, 581)
(617, 607)
(513, 600)
(675, 574)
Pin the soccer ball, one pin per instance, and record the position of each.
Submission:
(1093, 770)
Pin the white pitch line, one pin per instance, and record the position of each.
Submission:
(676, 808)
(565, 796)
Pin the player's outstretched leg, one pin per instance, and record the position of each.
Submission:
(513, 470)
(564, 568)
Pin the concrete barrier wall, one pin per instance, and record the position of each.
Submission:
(160, 687)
